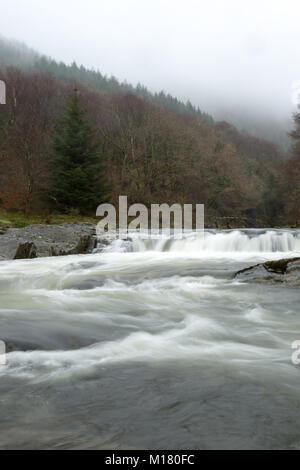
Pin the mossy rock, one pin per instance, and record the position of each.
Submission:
(279, 266)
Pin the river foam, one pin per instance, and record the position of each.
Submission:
(161, 323)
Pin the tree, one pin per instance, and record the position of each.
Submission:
(25, 125)
(78, 176)
(291, 178)
(296, 133)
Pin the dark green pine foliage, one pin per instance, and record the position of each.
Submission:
(78, 184)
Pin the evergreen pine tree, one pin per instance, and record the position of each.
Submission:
(78, 181)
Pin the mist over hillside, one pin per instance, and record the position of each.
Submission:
(261, 124)
(16, 53)
(13, 53)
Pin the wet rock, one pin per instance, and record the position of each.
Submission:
(285, 270)
(87, 284)
(12, 346)
(26, 250)
(37, 241)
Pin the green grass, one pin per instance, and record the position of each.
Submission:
(19, 219)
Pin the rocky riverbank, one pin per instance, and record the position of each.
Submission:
(36, 241)
(282, 271)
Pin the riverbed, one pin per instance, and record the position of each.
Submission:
(151, 344)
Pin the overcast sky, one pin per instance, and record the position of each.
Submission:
(218, 53)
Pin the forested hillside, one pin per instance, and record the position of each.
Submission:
(152, 148)
(12, 53)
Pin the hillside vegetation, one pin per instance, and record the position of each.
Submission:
(153, 148)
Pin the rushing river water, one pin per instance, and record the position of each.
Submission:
(151, 344)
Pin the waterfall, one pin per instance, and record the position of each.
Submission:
(247, 240)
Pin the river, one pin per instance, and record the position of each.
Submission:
(151, 344)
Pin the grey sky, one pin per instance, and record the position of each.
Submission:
(218, 53)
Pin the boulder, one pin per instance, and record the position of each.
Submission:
(37, 241)
(285, 270)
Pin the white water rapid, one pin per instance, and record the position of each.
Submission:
(151, 344)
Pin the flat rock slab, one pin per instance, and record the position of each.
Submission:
(36, 241)
(284, 270)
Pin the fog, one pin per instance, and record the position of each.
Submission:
(229, 57)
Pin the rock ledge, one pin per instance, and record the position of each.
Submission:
(36, 241)
(285, 270)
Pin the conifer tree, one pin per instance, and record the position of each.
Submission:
(78, 182)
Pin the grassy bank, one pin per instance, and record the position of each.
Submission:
(19, 219)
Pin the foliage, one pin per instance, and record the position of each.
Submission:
(152, 150)
(78, 166)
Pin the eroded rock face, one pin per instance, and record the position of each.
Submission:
(37, 241)
(285, 270)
